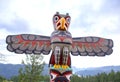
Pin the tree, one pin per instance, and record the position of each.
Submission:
(14, 79)
(117, 77)
(111, 76)
(75, 78)
(33, 66)
(2, 78)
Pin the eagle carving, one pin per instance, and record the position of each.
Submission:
(61, 43)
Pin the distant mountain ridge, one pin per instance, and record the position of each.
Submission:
(9, 70)
(96, 70)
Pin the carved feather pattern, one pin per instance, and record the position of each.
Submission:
(91, 46)
(28, 44)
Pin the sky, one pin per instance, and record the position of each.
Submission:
(88, 18)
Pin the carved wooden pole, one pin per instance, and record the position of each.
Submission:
(62, 44)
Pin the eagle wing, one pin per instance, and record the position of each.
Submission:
(28, 44)
(91, 46)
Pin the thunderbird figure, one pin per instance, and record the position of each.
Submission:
(61, 43)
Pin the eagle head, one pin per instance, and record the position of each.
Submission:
(61, 21)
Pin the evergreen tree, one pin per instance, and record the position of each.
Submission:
(75, 78)
(33, 66)
(2, 78)
(117, 77)
(111, 76)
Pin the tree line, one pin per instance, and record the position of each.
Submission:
(100, 77)
(33, 67)
(103, 77)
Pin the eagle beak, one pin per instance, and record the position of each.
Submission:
(61, 24)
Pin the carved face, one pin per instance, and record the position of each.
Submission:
(61, 22)
(56, 76)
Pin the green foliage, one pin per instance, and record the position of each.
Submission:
(32, 70)
(43, 79)
(33, 66)
(15, 79)
(2, 78)
(103, 77)
(75, 78)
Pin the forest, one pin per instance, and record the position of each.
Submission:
(103, 77)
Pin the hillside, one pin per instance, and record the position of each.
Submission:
(9, 70)
(95, 71)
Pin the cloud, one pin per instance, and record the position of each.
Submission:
(4, 5)
(102, 22)
(99, 20)
(16, 25)
(111, 6)
(89, 18)
(9, 19)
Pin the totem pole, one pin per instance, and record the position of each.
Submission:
(61, 43)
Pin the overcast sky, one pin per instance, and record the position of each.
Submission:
(89, 18)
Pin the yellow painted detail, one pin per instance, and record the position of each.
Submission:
(62, 26)
(57, 66)
(65, 66)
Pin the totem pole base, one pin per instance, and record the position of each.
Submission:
(60, 75)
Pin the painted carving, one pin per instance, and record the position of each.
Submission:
(61, 43)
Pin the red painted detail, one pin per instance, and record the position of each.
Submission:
(57, 74)
(94, 45)
(52, 60)
(73, 45)
(80, 45)
(20, 40)
(41, 43)
(34, 43)
(67, 73)
(26, 43)
(61, 38)
(69, 60)
(87, 45)
(48, 44)
(101, 42)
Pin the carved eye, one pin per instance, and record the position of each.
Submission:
(56, 18)
(53, 76)
(68, 19)
(69, 77)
